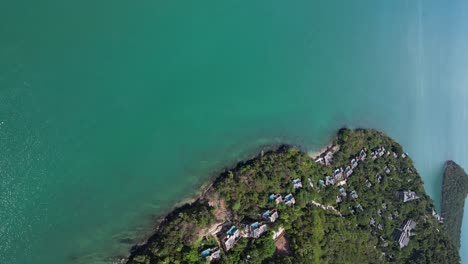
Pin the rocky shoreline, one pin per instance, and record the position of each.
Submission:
(189, 203)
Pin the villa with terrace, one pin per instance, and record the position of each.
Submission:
(257, 229)
(338, 174)
(230, 238)
(362, 154)
(289, 200)
(407, 196)
(402, 235)
(275, 197)
(348, 171)
(271, 215)
(211, 254)
(297, 183)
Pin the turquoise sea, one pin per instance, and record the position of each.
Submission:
(112, 111)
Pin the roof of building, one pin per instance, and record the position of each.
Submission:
(229, 243)
(274, 216)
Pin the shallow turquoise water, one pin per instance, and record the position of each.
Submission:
(112, 112)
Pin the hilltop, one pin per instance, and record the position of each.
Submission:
(362, 201)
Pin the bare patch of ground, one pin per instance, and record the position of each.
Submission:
(282, 246)
(221, 212)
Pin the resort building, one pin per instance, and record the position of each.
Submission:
(348, 171)
(362, 154)
(341, 183)
(354, 195)
(275, 197)
(342, 192)
(231, 238)
(257, 229)
(402, 235)
(211, 254)
(271, 215)
(437, 216)
(407, 196)
(387, 170)
(297, 183)
(328, 158)
(289, 200)
(338, 174)
(381, 151)
(338, 199)
(354, 163)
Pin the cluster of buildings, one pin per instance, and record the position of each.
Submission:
(229, 238)
(288, 199)
(341, 175)
(401, 235)
(380, 151)
(229, 235)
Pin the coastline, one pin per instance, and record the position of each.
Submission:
(225, 194)
(199, 195)
(201, 191)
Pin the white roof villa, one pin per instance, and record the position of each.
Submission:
(297, 183)
(407, 196)
(402, 235)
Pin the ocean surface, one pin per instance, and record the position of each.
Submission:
(113, 111)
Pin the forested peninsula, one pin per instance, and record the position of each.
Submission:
(454, 191)
(360, 201)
